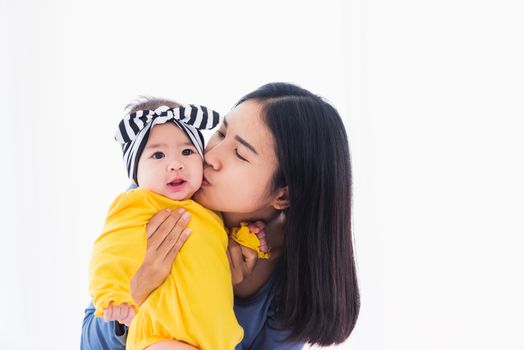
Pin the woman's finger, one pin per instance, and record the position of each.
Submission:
(156, 221)
(164, 229)
(173, 252)
(250, 258)
(242, 261)
(236, 275)
(173, 236)
(236, 254)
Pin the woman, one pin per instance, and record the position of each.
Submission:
(280, 156)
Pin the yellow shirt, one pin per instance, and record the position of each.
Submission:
(195, 302)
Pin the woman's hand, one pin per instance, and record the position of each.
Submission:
(242, 260)
(166, 233)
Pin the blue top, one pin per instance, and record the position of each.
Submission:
(255, 314)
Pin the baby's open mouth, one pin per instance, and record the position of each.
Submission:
(176, 182)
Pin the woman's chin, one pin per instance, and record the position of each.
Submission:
(202, 198)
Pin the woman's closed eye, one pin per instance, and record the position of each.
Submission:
(221, 134)
(158, 155)
(239, 156)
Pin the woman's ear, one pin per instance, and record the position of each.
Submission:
(281, 200)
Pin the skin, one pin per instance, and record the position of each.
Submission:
(239, 165)
(169, 155)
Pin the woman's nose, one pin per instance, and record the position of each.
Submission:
(212, 158)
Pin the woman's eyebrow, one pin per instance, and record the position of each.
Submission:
(245, 143)
(241, 140)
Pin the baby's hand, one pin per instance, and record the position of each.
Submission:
(257, 228)
(122, 313)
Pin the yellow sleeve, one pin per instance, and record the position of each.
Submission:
(243, 236)
(119, 251)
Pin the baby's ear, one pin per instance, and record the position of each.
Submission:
(281, 200)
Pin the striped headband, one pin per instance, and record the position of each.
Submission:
(133, 131)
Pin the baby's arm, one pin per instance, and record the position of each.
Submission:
(118, 253)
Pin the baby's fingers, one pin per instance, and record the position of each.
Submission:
(260, 224)
(108, 313)
(253, 228)
(116, 312)
(129, 318)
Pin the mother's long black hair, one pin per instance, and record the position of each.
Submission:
(317, 296)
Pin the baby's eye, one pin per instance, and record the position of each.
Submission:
(220, 134)
(187, 152)
(158, 155)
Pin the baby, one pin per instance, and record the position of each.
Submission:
(163, 152)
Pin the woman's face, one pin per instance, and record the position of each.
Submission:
(240, 163)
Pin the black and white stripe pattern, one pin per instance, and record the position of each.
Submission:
(133, 131)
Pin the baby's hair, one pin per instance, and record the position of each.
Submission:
(149, 103)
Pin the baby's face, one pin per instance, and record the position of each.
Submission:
(170, 164)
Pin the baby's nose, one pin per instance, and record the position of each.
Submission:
(176, 165)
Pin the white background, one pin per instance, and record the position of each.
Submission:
(432, 96)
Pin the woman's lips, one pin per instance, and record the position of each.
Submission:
(205, 182)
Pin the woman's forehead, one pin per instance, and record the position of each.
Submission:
(248, 111)
(245, 122)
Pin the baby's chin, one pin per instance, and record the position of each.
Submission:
(174, 195)
(178, 196)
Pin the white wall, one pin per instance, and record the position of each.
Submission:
(432, 96)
